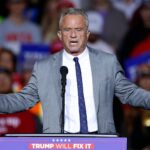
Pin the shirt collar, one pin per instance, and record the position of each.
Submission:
(81, 56)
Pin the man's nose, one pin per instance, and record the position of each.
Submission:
(73, 33)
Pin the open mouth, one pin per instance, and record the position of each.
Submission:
(73, 42)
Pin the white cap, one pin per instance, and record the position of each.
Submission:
(95, 22)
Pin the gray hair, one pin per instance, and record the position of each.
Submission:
(74, 11)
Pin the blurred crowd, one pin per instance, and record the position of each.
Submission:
(28, 31)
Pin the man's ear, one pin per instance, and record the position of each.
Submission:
(88, 34)
(59, 35)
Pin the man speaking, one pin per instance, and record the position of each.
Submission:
(93, 78)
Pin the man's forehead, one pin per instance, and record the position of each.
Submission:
(73, 19)
(77, 16)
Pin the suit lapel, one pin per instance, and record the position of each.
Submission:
(95, 62)
(57, 63)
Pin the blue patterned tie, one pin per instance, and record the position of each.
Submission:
(82, 109)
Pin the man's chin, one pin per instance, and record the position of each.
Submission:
(75, 52)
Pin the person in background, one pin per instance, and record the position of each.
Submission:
(5, 81)
(137, 39)
(49, 22)
(143, 80)
(136, 120)
(8, 60)
(18, 122)
(115, 22)
(95, 40)
(128, 7)
(15, 29)
(50, 17)
(19, 80)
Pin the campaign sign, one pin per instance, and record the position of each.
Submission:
(30, 53)
(63, 143)
(131, 64)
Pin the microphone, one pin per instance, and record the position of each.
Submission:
(64, 72)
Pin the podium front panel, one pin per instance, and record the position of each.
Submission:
(63, 142)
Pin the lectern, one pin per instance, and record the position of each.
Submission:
(62, 142)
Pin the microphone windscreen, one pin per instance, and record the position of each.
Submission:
(63, 70)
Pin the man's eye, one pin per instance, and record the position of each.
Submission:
(78, 29)
(66, 29)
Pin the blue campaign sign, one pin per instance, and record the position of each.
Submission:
(31, 14)
(29, 53)
(131, 64)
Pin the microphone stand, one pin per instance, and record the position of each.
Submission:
(63, 71)
(63, 82)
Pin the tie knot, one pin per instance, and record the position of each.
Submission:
(76, 59)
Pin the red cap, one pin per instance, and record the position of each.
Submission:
(64, 4)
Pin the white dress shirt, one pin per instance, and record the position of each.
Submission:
(72, 120)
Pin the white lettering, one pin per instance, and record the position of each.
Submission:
(42, 146)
